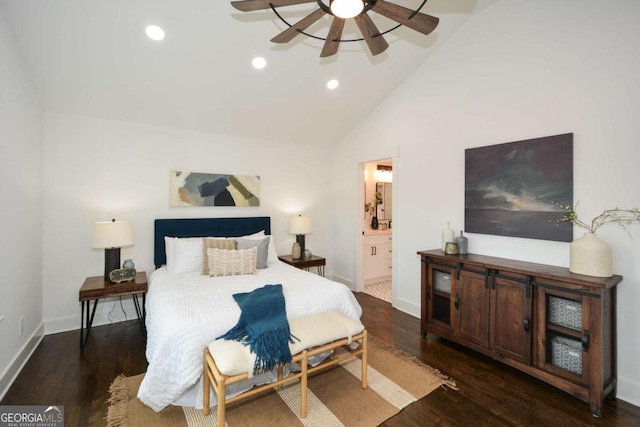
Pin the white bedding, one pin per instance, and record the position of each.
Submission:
(187, 311)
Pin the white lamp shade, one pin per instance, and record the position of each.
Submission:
(300, 225)
(112, 234)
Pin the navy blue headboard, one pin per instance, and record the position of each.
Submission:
(204, 227)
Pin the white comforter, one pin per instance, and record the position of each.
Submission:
(187, 311)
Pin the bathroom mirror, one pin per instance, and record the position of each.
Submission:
(385, 209)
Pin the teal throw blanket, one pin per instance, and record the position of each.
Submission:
(263, 326)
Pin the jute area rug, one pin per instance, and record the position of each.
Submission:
(335, 397)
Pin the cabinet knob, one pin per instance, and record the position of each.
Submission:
(456, 301)
(526, 324)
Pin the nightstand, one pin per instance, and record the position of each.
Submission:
(305, 264)
(96, 288)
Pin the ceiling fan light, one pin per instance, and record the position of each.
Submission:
(346, 9)
(154, 32)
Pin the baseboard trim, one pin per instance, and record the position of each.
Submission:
(72, 323)
(628, 391)
(23, 356)
(344, 281)
(406, 306)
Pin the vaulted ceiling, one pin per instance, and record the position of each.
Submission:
(92, 58)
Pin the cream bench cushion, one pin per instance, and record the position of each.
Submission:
(233, 358)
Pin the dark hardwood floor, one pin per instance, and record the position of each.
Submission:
(59, 374)
(490, 393)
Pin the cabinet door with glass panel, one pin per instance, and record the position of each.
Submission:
(456, 302)
(439, 301)
(566, 334)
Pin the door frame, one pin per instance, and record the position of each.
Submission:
(362, 224)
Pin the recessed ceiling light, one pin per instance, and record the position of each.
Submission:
(332, 84)
(259, 63)
(154, 32)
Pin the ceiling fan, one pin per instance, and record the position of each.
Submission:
(342, 10)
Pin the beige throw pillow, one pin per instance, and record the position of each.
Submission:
(214, 242)
(224, 262)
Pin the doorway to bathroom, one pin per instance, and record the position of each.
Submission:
(376, 263)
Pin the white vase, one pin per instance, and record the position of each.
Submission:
(296, 251)
(447, 236)
(590, 256)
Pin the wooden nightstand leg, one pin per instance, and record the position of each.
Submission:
(321, 270)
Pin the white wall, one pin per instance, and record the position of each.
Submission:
(518, 70)
(96, 169)
(21, 209)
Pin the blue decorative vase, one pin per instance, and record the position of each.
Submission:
(128, 264)
(463, 244)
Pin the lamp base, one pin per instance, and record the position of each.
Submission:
(111, 261)
(300, 240)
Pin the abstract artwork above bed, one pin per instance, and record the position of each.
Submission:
(213, 189)
(512, 189)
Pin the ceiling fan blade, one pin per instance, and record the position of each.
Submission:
(250, 5)
(335, 32)
(288, 34)
(421, 22)
(368, 29)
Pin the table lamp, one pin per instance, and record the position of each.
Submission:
(111, 236)
(300, 225)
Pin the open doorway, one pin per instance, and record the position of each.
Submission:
(376, 263)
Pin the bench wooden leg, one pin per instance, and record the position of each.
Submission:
(221, 391)
(303, 386)
(206, 389)
(365, 348)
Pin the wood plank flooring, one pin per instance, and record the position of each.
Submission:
(490, 393)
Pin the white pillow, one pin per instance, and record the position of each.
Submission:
(272, 254)
(183, 255)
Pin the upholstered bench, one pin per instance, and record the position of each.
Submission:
(228, 362)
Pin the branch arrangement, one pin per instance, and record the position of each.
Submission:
(622, 217)
(370, 208)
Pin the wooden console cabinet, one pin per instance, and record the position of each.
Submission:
(543, 320)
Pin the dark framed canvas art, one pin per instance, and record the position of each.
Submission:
(510, 189)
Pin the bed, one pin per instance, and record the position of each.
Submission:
(187, 310)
